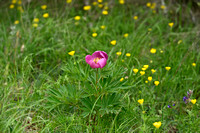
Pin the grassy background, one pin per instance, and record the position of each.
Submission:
(44, 89)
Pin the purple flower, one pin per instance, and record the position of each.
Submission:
(174, 104)
(97, 60)
(185, 99)
(169, 106)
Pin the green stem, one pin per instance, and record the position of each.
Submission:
(96, 78)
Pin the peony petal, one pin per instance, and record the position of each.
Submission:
(94, 65)
(104, 54)
(102, 62)
(89, 58)
(97, 54)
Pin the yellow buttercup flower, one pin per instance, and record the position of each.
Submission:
(35, 25)
(149, 78)
(100, 5)
(161, 51)
(121, 2)
(46, 15)
(77, 18)
(86, 8)
(135, 70)
(153, 50)
(146, 66)
(14, 1)
(141, 101)
(180, 41)
(167, 68)
(94, 34)
(104, 12)
(71, 53)
(126, 35)
(162, 7)
(16, 22)
(143, 69)
(94, 3)
(118, 53)
(128, 54)
(193, 101)
(100, 1)
(157, 124)
(121, 79)
(19, 2)
(153, 5)
(68, 1)
(12, 6)
(171, 24)
(148, 4)
(142, 72)
(36, 20)
(103, 27)
(143, 112)
(153, 71)
(151, 61)
(156, 83)
(113, 42)
(146, 81)
(194, 64)
(135, 17)
(44, 7)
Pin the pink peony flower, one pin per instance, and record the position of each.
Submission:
(97, 60)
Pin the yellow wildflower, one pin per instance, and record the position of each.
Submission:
(121, 2)
(153, 50)
(94, 34)
(157, 124)
(148, 4)
(46, 15)
(103, 27)
(44, 7)
(143, 112)
(153, 5)
(149, 29)
(146, 81)
(135, 70)
(19, 2)
(171, 24)
(141, 101)
(100, 5)
(151, 61)
(104, 12)
(16, 22)
(35, 25)
(100, 1)
(167, 68)
(135, 17)
(68, 1)
(161, 51)
(126, 35)
(194, 64)
(77, 18)
(153, 71)
(86, 8)
(36, 20)
(162, 7)
(12, 6)
(94, 3)
(149, 78)
(106, 8)
(146, 66)
(193, 101)
(142, 72)
(113, 42)
(128, 54)
(156, 83)
(121, 79)
(71, 53)
(180, 41)
(118, 53)
(14, 1)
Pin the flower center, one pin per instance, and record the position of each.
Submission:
(96, 60)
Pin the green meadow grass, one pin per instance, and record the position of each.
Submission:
(44, 89)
